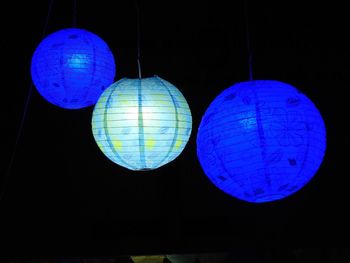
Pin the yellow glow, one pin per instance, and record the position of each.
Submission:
(162, 99)
(150, 144)
(125, 100)
(100, 145)
(103, 100)
(178, 144)
(118, 144)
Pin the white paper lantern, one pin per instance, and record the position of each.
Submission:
(141, 124)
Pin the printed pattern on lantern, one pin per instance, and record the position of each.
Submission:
(261, 141)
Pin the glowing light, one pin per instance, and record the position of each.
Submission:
(261, 140)
(141, 124)
(72, 67)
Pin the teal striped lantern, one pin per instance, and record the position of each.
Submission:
(141, 124)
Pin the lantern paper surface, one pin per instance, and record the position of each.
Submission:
(141, 124)
(261, 140)
(71, 68)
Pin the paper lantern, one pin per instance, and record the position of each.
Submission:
(71, 68)
(141, 124)
(261, 140)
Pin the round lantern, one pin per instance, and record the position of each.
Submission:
(261, 140)
(141, 124)
(72, 67)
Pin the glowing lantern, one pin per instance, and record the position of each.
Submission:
(261, 140)
(71, 68)
(141, 124)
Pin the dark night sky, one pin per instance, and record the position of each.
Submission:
(64, 197)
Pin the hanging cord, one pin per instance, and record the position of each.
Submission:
(138, 38)
(74, 13)
(24, 115)
(248, 40)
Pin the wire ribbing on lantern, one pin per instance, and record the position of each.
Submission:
(142, 124)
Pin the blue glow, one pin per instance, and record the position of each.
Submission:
(261, 140)
(72, 67)
(141, 124)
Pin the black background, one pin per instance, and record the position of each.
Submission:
(64, 197)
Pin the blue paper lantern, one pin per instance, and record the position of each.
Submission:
(71, 68)
(141, 124)
(261, 140)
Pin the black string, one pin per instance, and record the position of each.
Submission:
(138, 39)
(24, 115)
(248, 40)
